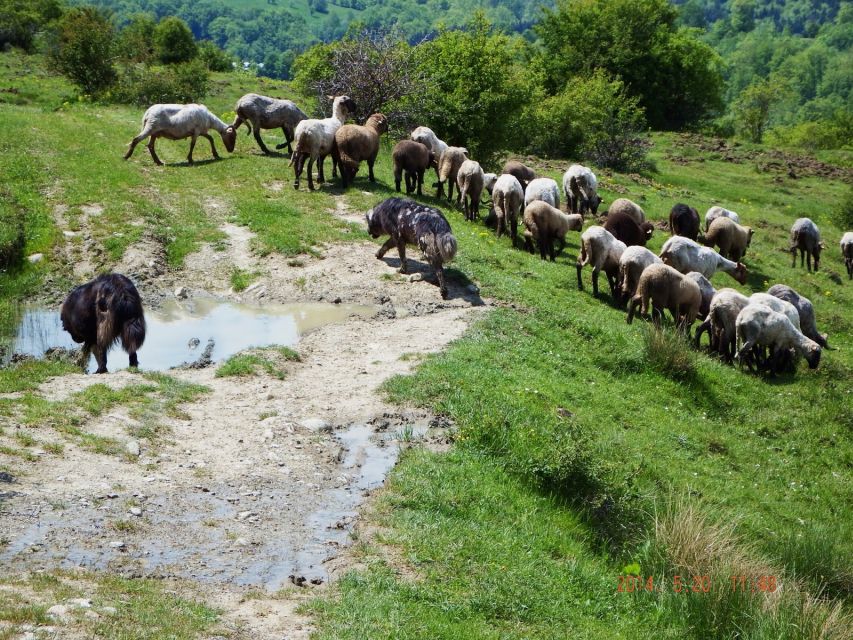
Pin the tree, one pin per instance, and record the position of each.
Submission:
(676, 76)
(136, 40)
(83, 49)
(20, 21)
(214, 58)
(174, 42)
(753, 107)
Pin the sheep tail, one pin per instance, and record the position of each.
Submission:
(584, 255)
(133, 334)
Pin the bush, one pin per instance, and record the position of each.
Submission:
(214, 58)
(19, 22)
(843, 216)
(144, 86)
(12, 237)
(83, 49)
(136, 40)
(174, 42)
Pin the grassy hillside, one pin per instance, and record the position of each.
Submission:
(582, 444)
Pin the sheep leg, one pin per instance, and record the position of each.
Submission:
(442, 285)
(192, 146)
(297, 168)
(513, 230)
(440, 192)
(579, 266)
(595, 272)
(528, 244)
(85, 354)
(632, 306)
(809, 260)
(562, 246)
(398, 178)
(794, 257)
(370, 162)
(153, 153)
(420, 181)
(705, 326)
(321, 175)
(133, 144)
(390, 242)
(212, 146)
(286, 142)
(450, 190)
(100, 358)
(260, 141)
(401, 250)
(310, 174)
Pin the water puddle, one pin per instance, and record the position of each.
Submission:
(176, 329)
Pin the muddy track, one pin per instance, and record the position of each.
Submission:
(259, 484)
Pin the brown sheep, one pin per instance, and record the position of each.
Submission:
(448, 168)
(354, 143)
(624, 228)
(412, 159)
(684, 221)
(666, 288)
(730, 237)
(628, 207)
(544, 223)
(469, 179)
(522, 173)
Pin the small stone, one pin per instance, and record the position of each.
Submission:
(242, 542)
(135, 511)
(69, 234)
(80, 603)
(36, 257)
(58, 611)
(118, 544)
(316, 424)
(112, 495)
(132, 448)
(337, 300)
(268, 434)
(416, 277)
(193, 343)
(181, 293)
(109, 610)
(245, 514)
(92, 615)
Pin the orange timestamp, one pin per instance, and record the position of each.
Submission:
(694, 584)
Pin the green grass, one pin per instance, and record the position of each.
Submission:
(266, 359)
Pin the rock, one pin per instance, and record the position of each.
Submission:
(268, 434)
(337, 300)
(242, 542)
(109, 610)
(69, 234)
(245, 514)
(416, 277)
(316, 424)
(135, 511)
(132, 448)
(91, 615)
(58, 611)
(80, 603)
(118, 544)
(35, 258)
(181, 293)
(193, 343)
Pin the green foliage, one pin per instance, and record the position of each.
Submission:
(136, 39)
(12, 234)
(843, 215)
(676, 76)
(214, 58)
(669, 353)
(143, 85)
(173, 41)
(20, 21)
(83, 49)
(753, 107)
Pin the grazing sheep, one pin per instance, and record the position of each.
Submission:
(805, 236)
(315, 139)
(102, 312)
(448, 168)
(666, 288)
(544, 189)
(354, 143)
(623, 227)
(407, 221)
(262, 112)
(730, 237)
(544, 223)
(413, 159)
(508, 200)
(600, 249)
(804, 307)
(426, 136)
(707, 290)
(179, 121)
(684, 221)
(759, 326)
(629, 208)
(489, 180)
(721, 320)
(581, 189)
(778, 305)
(469, 179)
(718, 212)
(632, 263)
(522, 173)
(686, 255)
(847, 252)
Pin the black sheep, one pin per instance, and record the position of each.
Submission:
(624, 228)
(101, 312)
(684, 221)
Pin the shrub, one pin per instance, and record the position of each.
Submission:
(136, 40)
(214, 58)
(144, 86)
(83, 49)
(19, 22)
(12, 237)
(174, 42)
(843, 215)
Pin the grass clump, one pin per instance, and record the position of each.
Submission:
(268, 359)
(669, 352)
(241, 279)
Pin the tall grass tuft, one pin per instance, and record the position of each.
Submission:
(669, 353)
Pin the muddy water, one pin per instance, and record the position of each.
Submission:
(179, 330)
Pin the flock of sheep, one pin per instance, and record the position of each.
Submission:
(764, 331)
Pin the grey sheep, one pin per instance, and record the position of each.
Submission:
(805, 237)
(804, 308)
(263, 112)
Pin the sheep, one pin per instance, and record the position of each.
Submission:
(102, 312)
(315, 139)
(581, 189)
(730, 237)
(427, 137)
(632, 263)
(847, 252)
(543, 223)
(354, 143)
(628, 207)
(686, 255)
(469, 179)
(179, 121)
(684, 221)
(448, 168)
(407, 221)
(706, 289)
(263, 112)
(522, 173)
(544, 189)
(600, 249)
(489, 180)
(805, 310)
(666, 288)
(508, 200)
(623, 227)
(720, 321)
(718, 212)
(759, 325)
(778, 305)
(413, 159)
(805, 236)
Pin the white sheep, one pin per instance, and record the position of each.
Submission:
(544, 189)
(778, 305)
(580, 187)
(508, 200)
(721, 320)
(629, 208)
(805, 236)
(847, 252)
(489, 180)
(686, 255)
(705, 288)
(179, 121)
(758, 325)
(315, 139)
(451, 160)
(804, 307)
(263, 112)
(426, 136)
(600, 249)
(718, 212)
(632, 263)
(469, 179)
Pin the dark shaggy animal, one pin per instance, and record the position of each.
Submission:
(407, 221)
(102, 312)
(684, 221)
(624, 228)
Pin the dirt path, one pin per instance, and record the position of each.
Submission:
(260, 485)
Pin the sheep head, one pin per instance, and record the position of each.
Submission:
(740, 273)
(374, 229)
(378, 121)
(813, 355)
(749, 232)
(648, 229)
(229, 138)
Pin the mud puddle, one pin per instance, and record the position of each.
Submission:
(177, 328)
